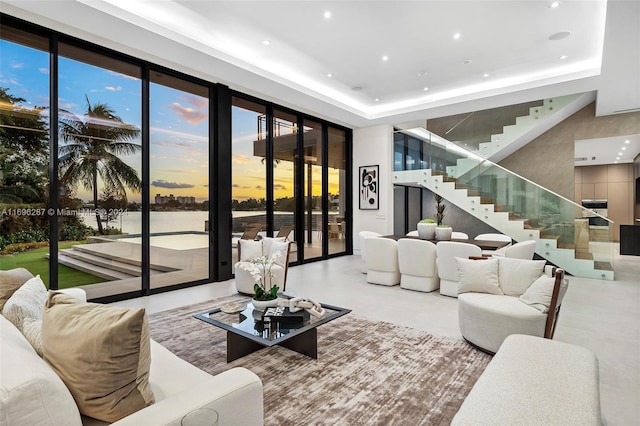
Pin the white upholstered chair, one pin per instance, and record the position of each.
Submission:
(493, 237)
(249, 249)
(521, 250)
(363, 235)
(382, 261)
(412, 234)
(447, 268)
(417, 263)
(459, 235)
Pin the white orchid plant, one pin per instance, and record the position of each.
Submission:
(260, 270)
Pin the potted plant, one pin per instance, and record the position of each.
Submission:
(427, 229)
(443, 232)
(265, 293)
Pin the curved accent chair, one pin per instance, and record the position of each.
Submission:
(521, 250)
(447, 268)
(363, 235)
(459, 236)
(382, 261)
(249, 249)
(417, 263)
(493, 237)
(487, 319)
(412, 234)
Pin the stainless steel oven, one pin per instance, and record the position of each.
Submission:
(599, 207)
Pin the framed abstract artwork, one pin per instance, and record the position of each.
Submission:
(368, 191)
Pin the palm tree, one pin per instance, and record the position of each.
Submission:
(93, 146)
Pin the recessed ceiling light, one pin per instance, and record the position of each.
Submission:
(563, 57)
(466, 61)
(457, 36)
(377, 100)
(554, 4)
(615, 162)
(327, 14)
(560, 35)
(425, 89)
(627, 141)
(329, 75)
(385, 58)
(623, 148)
(266, 42)
(485, 75)
(619, 153)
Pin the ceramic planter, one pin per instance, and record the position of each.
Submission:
(426, 231)
(444, 234)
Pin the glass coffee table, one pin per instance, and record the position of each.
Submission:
(247, 333)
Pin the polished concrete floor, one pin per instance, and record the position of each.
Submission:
(603, 316)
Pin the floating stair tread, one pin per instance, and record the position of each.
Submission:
(602, 266)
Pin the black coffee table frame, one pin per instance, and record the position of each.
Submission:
(302, 338)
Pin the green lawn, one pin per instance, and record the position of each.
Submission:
(37, 264)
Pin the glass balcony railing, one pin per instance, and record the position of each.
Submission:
(561, 226)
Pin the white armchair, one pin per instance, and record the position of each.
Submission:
(382, 261)
(447, 268)
(418, 267)
(362, 236)
(249, 249)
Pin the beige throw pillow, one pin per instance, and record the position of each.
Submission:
(10, 281)
(516, 275)
(478, 276)
(102, 354)
(539, 294)
(27, 302)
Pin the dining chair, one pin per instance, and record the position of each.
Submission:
(417, 265)
(382, 261)
(362, 236)
(447, 267)
(493, 237)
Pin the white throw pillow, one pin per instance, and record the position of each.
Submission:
(479, 276)
(539, 294)
(516, 275)
(282, 247)
(268, 241)
(250, 249)
(26, 302)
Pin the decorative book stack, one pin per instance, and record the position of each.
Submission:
(283, 315)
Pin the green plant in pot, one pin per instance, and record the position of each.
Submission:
(443, 232)
(427, 229)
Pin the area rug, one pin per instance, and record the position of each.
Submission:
(367, 372)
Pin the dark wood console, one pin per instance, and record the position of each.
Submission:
(630, 240)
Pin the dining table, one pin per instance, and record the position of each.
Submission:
(483, 244)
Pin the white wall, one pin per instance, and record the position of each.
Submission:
(373, 146)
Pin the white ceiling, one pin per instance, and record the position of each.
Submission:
(613, 150)
(223, 41)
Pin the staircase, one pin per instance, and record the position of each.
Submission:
(514, 206)
(528, 127)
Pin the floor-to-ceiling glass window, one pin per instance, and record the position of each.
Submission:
(337, 190)
(24, 152)
(178, 180)
(249, 129)
(99, 170)
(312, 155)
(285, 133)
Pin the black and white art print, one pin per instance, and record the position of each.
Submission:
(369, 177)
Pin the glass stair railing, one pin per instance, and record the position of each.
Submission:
(509, 203)
(489, 132)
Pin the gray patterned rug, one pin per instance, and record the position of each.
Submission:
(367, 372)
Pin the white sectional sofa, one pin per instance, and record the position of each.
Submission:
(31, 393)
(535, 381)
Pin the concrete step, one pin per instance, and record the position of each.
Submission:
(103, 262)
(98, 271)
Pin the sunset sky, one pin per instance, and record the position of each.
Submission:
(179, 152)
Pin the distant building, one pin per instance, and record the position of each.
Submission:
(164, 199)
